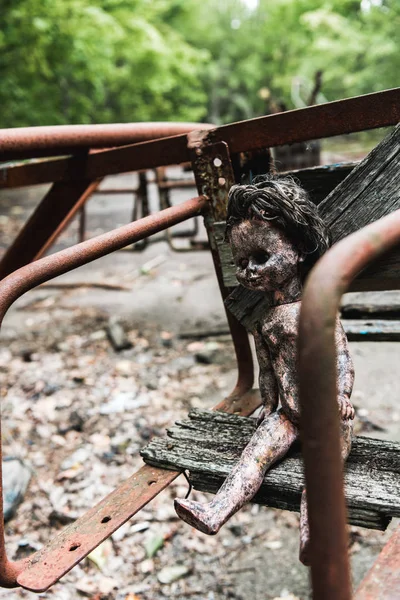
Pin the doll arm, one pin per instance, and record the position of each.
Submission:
(267, 380)
(345, 373)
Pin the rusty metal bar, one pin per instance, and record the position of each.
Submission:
(82, 224)
(49, 219)
(79, 206)
(113, 191)
(383, 579)
(328, 281)
(380, 109)
(31, 142)
(324, 120)
(77, 540)
(213, 172)
(31, 275)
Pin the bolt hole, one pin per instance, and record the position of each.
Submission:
(217, 162)
(74, 547)
(106, 519)
(151, 482)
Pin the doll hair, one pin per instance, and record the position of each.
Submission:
(286, 204)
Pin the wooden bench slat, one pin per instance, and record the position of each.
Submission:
(209, 443)
(370, 191)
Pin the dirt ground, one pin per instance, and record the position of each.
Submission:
(78, 412)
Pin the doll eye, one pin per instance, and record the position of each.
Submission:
(243, 262)
(261, 257)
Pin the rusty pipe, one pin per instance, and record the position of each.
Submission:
(328, 281)
(32, 142)
(44, 269)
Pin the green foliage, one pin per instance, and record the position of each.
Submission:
(82, 61)
(73, 61)
(268, 58)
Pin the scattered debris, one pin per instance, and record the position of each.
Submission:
(101, 554)
(209, 353)
(147, 267)
(170, 574)
(16, 478)
(117, 335)
(153, 545)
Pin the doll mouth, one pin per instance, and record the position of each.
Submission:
(253, 278)
(253, 281)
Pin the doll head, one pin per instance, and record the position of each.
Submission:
(275, 232)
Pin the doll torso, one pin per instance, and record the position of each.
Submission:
(279, 331)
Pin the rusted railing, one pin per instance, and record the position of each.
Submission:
(328, 281)
(32, 142)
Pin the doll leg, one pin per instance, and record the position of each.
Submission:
(271, 440)
(346, 430)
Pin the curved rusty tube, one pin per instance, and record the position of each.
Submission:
(32, 142)
(44, 269)
(328, 281)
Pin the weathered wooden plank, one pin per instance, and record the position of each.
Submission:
(375, 330)
(370, 191)
(209, 443)
(357, 330)
(377, 308)
(320, 181)
(381, 198)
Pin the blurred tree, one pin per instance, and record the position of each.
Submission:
(75, 61)
(78, 61)
(271, 57)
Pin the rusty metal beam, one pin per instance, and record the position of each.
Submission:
(324, 120)
(328, 281)
(383, 579)
(360, 113)
(79, 206)
(52, 215)
(77, 540)
(32, 142)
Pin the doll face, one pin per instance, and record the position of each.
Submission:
(265, 258)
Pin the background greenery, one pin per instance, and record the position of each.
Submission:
(93, 61)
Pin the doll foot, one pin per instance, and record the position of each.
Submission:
(304, 554)
(196, 515)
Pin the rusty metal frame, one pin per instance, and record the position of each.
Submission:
(73, 176)
(50, 218)
(334, 118)
(33, 142)
(383, 579)
(380, 109)
(328, 281)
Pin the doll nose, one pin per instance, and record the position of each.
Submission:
(251, 268)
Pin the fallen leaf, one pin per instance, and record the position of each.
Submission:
(170, 574)
(99, 555)
(153, 545)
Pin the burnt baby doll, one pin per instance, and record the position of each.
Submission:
(276, 235)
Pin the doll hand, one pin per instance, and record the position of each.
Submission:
(265, 411)
(346, 409)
